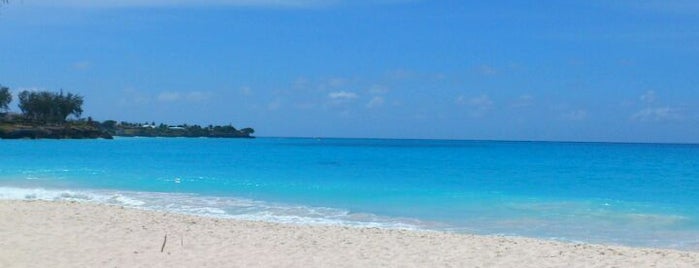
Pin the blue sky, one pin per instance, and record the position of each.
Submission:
(515, 70)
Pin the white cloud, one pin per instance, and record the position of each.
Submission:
(480, 101)
(170, 3)
(657, 114)
(336, 82)
(190, 3)
(133, 97)
(245, 91)
(576, 115)
(333, 83)
(375, 102)
(305, 105)
(340, 99)
(378, 89)
(274, 105)
(653, 111)
(192, 96)
(400, 74)
(81, 65)
(673, 6)
(343, 95)
(197, 96)
(487, 70)
(169, 96)
(439, 76)
(523, 101)
(478, 105)
(301, 83)
(648, 96)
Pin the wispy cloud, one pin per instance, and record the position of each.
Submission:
(674, 6)
(168, 96)
(197, 96)
(400, 74)
(81, 65)
(245, 91)
(648, 97)
(478, 105)
(375, 102)
(652, 111)
(342, 100)
(131, 97)
(657, 114)
(192, 96)
(189, 3)
(523, 101)
(336, 82)
(486, 70)
(170, 3)
(343, 95)
(575, 115)
(378, 89)
(274, 105)
(328, 84)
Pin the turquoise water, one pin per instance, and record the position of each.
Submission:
(630, 194)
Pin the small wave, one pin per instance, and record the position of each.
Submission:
(120, 199)
(220, 207)
(11, 193)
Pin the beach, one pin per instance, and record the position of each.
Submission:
(77, 234)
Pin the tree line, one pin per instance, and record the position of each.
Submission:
(53, 108)
(44, 106)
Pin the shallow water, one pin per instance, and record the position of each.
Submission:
(631, 194)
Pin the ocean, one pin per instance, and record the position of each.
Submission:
(644, 195)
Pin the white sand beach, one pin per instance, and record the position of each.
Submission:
(65, 234)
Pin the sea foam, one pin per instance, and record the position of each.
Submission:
(219, 207)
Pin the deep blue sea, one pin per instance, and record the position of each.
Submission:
(629, 194)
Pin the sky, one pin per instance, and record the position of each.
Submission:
(578, 70)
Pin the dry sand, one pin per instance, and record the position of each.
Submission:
(64, 234)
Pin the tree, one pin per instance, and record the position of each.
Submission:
(5, 98)
(109, 124)
(69, 104)
(50, 106)
(247, 131)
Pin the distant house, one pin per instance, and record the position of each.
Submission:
(176, 127)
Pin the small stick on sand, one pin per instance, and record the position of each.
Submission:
(164, 241)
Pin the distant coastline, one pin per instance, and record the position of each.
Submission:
(13, 126)
(125, 129)
(44, 115)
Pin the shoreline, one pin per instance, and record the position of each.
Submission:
(73, 234)
(14, 127)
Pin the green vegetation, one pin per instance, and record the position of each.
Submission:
(45, 115)
(5, 98)
(44, 106)
(125, 129)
